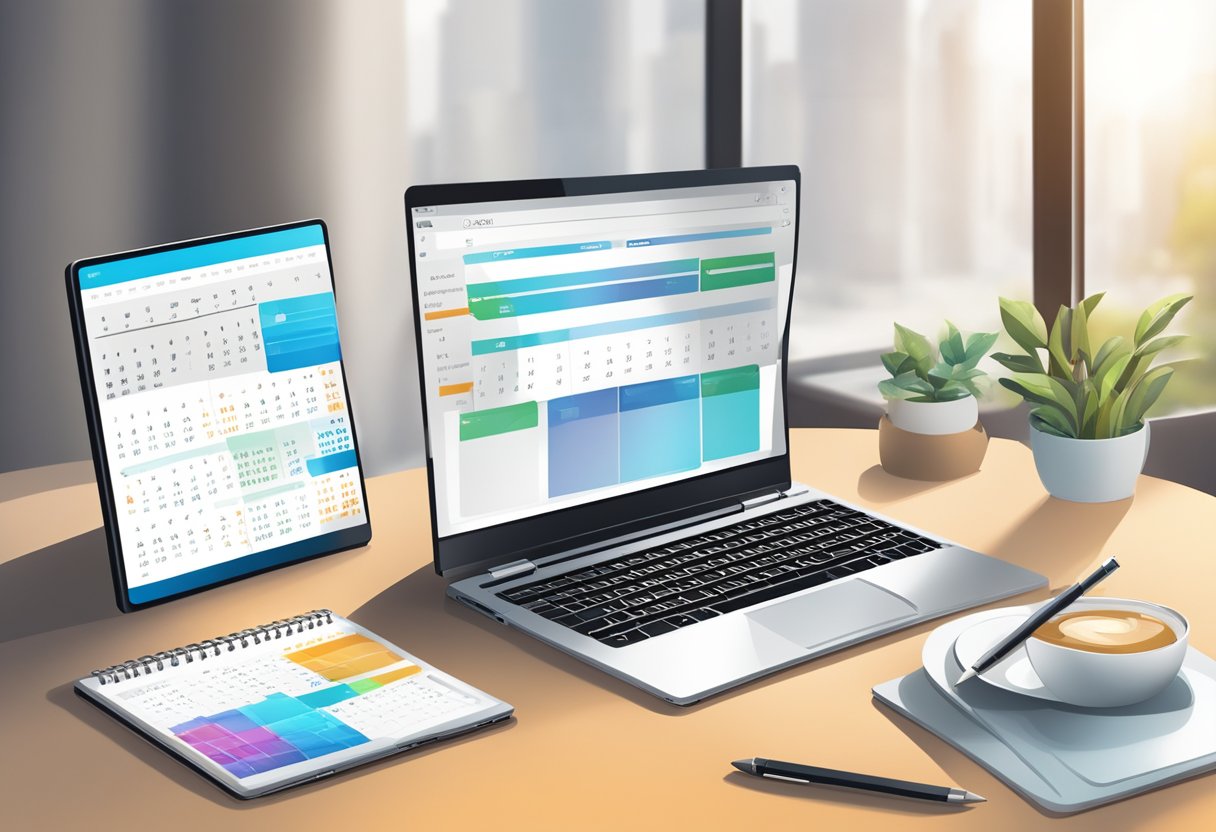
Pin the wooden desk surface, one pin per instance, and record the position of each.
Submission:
(579, 753)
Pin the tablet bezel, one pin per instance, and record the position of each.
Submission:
(325, 544)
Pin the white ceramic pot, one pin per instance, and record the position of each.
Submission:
(1089, 470)
(1110, 680)
(934, 418)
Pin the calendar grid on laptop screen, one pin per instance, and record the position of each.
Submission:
(580, 348)
(222, 406)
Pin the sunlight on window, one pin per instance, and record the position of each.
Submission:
(504, 89)
(911, 122)
(1150, 195)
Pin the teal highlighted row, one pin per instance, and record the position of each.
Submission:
(534, 251)
(557, 336)
(495, 288)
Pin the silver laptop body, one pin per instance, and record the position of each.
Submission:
(515, 487)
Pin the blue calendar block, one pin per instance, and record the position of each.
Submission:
(660, 427)
(300, 332)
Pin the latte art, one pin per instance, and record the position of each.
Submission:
(1107, 631)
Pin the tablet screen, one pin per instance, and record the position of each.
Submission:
(221, 408)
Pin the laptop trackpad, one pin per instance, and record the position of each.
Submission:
(833, 614)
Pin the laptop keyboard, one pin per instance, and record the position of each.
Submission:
(646, 594)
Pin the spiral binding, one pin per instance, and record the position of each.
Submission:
(199, 651)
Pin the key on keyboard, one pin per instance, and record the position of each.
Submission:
(646, 594)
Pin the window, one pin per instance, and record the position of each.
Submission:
(504, 89)
(1150, 171)
(911, 122)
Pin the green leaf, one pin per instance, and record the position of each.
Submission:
(945, 376)
(1019, 363)
(1024, 324)
(1108, 377)
(1158, 316)
(974, 389)
(952, 390)
(954, 372)
(1043, 389)
(1132, 371)
(951, 330)
(978, 344)
(1092, 301)
(893, 361)
(1043, 427)
(1079, 340)
(1109, 348)
(1088, 408)
(1156, 345)
(905, 386)
(1050, 420)
(890, 390)
(941, 370)
(1102, 426)
(1143, 396)
(915, 345)
(953, 351)
(1057, 345)
(1117, 409)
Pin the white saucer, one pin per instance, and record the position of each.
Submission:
(1013, 673)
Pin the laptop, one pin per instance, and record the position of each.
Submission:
(603, 373)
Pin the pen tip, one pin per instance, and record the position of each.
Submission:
(748, 766)
(967, 674)
(972, 797)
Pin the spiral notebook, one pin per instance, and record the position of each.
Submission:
(288, 702)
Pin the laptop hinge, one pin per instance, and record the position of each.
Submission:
(761, 500)
(513, 569)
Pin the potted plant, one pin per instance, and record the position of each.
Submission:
(1087, 428)
(932, 430)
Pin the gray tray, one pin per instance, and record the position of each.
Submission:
(1062, 758)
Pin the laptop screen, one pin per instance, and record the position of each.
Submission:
(580, 348)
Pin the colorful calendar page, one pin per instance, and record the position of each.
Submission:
(576, 349)
(289, 701)
(220, 409)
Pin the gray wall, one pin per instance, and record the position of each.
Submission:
(125, 124)
(129, 123)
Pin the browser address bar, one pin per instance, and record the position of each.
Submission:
(601, 210)
(599, 227)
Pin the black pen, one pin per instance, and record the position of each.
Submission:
(830, 777)
(1006, 645)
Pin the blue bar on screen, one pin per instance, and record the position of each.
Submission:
(198, 256)
(665, 391)
(556, 336)
(327, 464)
(593, 296)
(535, 251)
(561, 281)
(695, 238)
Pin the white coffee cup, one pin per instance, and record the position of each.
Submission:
(1110, 680)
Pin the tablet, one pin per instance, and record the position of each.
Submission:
(218, 410)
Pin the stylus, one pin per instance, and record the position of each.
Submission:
(796, 773)
(1004, 647)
